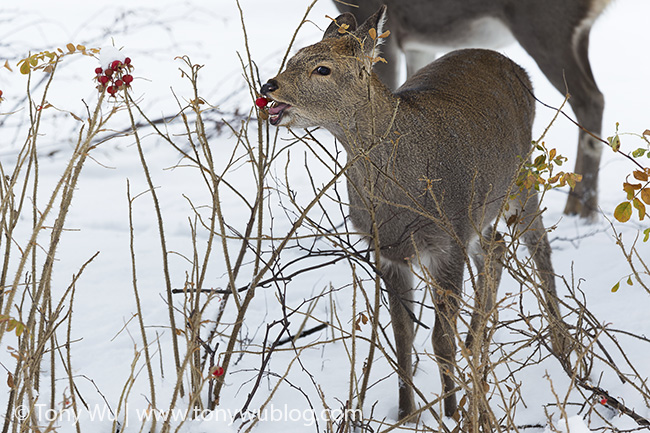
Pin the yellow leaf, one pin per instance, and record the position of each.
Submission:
(24, 67)
(614, 142)
(6, 65)
(623, 211)
(373, 34)
(638, 205)
(640, 175)
(385, 34)
(555, 178)
(71, 48)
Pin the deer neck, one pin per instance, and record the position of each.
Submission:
(369, 121)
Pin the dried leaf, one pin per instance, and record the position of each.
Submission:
(639, 152)
(639, 206)
(573, 178)
(616, 286)
(24, 67)
(630, 189)
(20, 328)
(645, 195)
(555, 178)
(71, 48)
(6, 65)
(640, 175)
(385, 34)
(373, 34)
(614, 142)
(623, 212)
(646, 132)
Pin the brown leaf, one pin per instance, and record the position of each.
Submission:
(630, 189)
(645, 195)
(640, 175)
(10, 380)
(373, 34)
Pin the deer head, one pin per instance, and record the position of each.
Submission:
(326, 83)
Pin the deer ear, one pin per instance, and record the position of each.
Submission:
(344, 21)
(376, 22)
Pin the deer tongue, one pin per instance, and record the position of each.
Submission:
(277, 109)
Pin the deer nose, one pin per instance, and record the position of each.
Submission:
(269, 87)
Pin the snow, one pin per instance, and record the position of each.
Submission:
(105, 333)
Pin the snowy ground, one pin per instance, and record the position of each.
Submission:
(211, 35)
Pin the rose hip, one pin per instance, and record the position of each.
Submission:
(261, 102)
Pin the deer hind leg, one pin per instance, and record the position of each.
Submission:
(531, 229)
(562, 54)
(447, 281)
(399, 285)
(487, 254)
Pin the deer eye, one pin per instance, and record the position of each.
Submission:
(323, 70)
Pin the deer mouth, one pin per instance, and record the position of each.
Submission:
(276, 111)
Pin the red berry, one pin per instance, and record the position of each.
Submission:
(103, 79)
(108, 72)
(98, 70)
(0, 93)
(119, 83)
(128, 78)
(116, 64)
(603, 400)
(127, 61)
(219, 371)
(111, 90)
(261, 102)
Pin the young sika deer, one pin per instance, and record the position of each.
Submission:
(554, 32)
(432, 166)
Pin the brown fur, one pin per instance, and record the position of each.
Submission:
(437, 159)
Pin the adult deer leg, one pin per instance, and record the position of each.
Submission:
(562, 54)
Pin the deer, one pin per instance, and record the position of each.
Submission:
(430, 169)
(555, 33)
